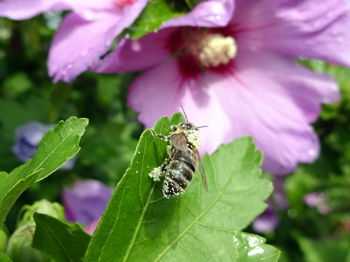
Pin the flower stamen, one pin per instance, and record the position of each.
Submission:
(216, 50)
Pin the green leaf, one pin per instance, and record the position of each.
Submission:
(4, 257)
(139, 224)
(153, 15)
(62, 241)
(57, 146)
(249, 248)
(193, 3)
(12, 186)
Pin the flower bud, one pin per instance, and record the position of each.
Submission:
(43, 207)
(19, 245)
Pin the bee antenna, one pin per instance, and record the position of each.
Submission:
(201, 126)
(183, 111)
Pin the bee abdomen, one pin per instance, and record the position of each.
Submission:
(177, 178)
(186, 159)
(171, 188)
(185, 168)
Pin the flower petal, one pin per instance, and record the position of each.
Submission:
(156, 92)
(273, 99)
(24, 9)
(86, 201)
(212, 13)
(135, 55)
(266, 222)
(79, 43)
(313, 199)
(300, 28)
(267, 96)
(90, 228)
(28, 137)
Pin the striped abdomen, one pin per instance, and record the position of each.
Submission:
(179, 173)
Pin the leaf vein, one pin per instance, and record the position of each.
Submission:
(138, 224)
(50, 153)
(114, 225)
(167, 248)
(59, 242)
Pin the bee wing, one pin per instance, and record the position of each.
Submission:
(179, 141)
(201, 171)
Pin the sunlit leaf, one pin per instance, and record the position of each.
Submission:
(155, 13)
(141, 225)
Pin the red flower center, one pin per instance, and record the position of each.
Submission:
(122, 3)
(198, 49)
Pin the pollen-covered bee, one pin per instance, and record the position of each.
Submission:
(183, 159)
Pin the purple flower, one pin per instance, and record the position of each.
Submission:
(85, 201)
(314, 199)
(28, 137)
(84, 35)
(266, 222)
(318, 200)
(233, 65)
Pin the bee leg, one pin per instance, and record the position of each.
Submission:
(158, 172)
(165, 138)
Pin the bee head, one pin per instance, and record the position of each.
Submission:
(185, 126)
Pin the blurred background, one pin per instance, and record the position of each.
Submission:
(309, 213)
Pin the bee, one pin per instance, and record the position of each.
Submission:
(183, 159)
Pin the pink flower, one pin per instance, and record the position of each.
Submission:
(90, 228)
(84, 35)
(233, 65)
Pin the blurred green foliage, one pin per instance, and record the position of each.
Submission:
(27, 94)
